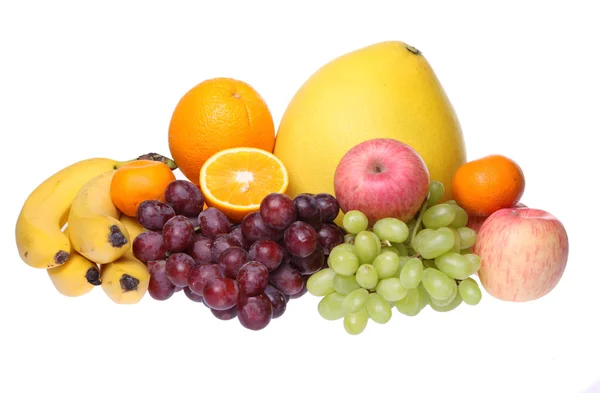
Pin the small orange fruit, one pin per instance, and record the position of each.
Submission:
(236, 180)
(138, 181)
(215, 115)
(488, 184)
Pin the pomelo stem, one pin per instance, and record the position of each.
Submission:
(152, 157)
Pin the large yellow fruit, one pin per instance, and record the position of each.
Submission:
(386, 90)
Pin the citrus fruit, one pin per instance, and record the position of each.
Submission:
(236, 180)
(215, 115)
(488, 184)
(138, 181)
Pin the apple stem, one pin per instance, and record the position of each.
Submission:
(418, 224)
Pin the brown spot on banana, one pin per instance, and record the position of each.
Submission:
(93, 276)
(129, 283)
(116, 237)
(61, 257)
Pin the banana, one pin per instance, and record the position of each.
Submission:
(126, 280)
(95, 229)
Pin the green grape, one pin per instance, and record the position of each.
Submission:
(387, 264)
(460, 217)
(367, 246)
(436, 192)
(355, 300)
(451, 202)
(411, 273)
(321, 283)
(390, 249)
(455, 303)
(344, 247)
(429, 263)
(349, 238)
(409, 305)
(345, 284)
(466, 251)
(402, 261)
(391, 289)
(355, 221)
(421, 237)
(469, 291)
(343, 262)
(411, 225)
(402, 251)
(355, 323)
(475, 262)
(424, 297)
(366, 276)
(410, 251)
(455, 265)
(391, 229)
(445, 302)
(456, 246)
(378, 308)
(433, 244)
(438, 216)
(437, 284)
(331, 306)
(468, 237)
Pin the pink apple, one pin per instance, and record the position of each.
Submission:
(523, 253)
(382, 178)
(475, 222)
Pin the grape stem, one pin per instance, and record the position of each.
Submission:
(418, 224)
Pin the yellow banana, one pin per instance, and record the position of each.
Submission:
(126, 280)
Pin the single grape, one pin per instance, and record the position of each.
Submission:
(402, 251)
(343, 246)
(329, 236)
(231, 260)
(225, 315)
(349, 238)
(391, 249)
(278, 211)
(213, 222)
(367, 246)
(460, 217)
(267, 252)
(287, 279)
(391, 229)
(321, 283)
(409, 305)
(456, 246)
(153, 214)
(357, 322)
(192, 296)
(455, 303)
(302, 290)
(236, 233)
(429, 263)
(308, 210)
(344, 284)
(178, 267)
(445, 302)
(253, 278)
(254, 229)
(451, 202)
(469, 291)
(468, 237)
(178, 289)
(436, 192)
(178, 233)
(343, 262)
(438, 285)
(355, 222)
(474, 261)
(387, 264)
(422, 235)
(202, 274)
(300, 239)
(254, 312)
(424, 298)
(159, 286)
(287, 257)
(278, 301)
(200, 250)
(221, 243)
(433, 244)
(391, 289)
(439, 216)
(149, 246)
(331, 307)
(411, 273)
(311, 263)
(366, 276)
(455, 265)
(355, 300)
(220, 293)
(378, 308)
(330, 208)
(184, 197)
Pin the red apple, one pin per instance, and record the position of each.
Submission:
(523, 253)
(475, 222)
(382, 178)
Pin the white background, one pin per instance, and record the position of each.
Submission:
(102, 79)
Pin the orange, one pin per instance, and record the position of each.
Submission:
(138, 181)
(236, 180)
(488, 184)
(215, 115)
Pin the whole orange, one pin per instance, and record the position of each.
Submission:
(215, 115)
(138, 181)
(488, 184)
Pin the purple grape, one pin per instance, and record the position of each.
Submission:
(153, 215)
(178, 267)
(231, 260)
(300, 239)
(310, 264)
(329, 236)
(192, 296)
(149, 246)
(277, 211)
(236, 232)
(178, 289)
(178, 233)
(308, 209)
(220, 293)
(254, 228)
(252, 278)
(159, 287)
(225, 315)
(330, 208)
(202, 274)
(255, 312)
(213, 222)
(278, 301)
(302, 291)
(200, 250)
(221, 243)
(267, 252)
(287, 257)
(286, 279)
(194, 220)
(184, 197)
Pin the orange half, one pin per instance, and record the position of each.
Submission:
(236, 180)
